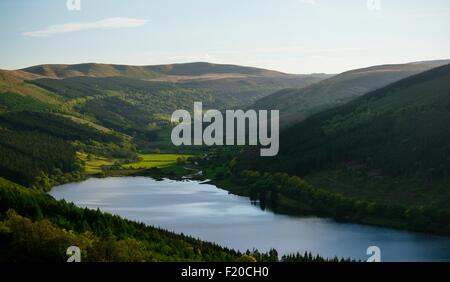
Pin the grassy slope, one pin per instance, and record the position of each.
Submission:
(15, 82)
(93, 164)
(140, 72)
(16, 102)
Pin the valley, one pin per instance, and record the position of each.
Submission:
(368, 146)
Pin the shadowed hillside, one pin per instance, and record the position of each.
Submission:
(392, 144)
(297, 104)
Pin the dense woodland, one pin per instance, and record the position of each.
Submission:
(391, 145)
(35, 227)
(14, 102)
(283, 193)
(38, 149)
(401, 129)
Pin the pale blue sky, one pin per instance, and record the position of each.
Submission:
(297, 36)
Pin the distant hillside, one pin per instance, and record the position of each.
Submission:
(201, 68)
(227, 85)
(143, 72)
(297, 104)
(137, 100)
(232, 85)
(244, 91)
(89, 69)
(392, 144)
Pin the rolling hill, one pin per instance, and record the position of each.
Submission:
(391, 145)
(219, 86)
(137, 100)
(297, 104)
(61, 71)
(134, 101)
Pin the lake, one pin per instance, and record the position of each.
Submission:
(212, 214)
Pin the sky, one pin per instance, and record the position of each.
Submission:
(294, 36)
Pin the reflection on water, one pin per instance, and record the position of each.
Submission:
(211, 214)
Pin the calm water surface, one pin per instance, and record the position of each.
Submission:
(209, 213)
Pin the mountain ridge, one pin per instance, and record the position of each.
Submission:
(59, 71)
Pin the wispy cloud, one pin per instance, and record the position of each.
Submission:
(78, 26)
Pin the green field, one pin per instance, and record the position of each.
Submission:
(93, 164)
(155, 160)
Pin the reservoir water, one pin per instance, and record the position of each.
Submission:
(212, 214)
